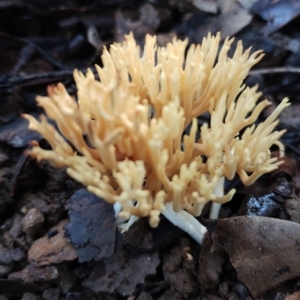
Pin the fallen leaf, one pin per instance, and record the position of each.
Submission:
(210, 6)
(264, 251)
(92, 227)
(276, 13)
(17, 134)
(247, 3)
(147, 23)
(52, 250)
(228, 23)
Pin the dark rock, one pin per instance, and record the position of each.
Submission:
(52, 233)
(74, 296)
(292, 207)
(32, 274)
(264, 205)
(3, 158)
(51, 294)
(82, 271)
(6, 269)
(283, 187)
(170, 295)
(144, 296)
(17, 227)
(22, 241)
(33, 200)
(241, 290)
(234, 296)
(17, 288)
(8, 256)
(31, 296)
(7, 240)
(6, 225)
(54, 214)
(67, 279)
(5, 198)
(224, 289)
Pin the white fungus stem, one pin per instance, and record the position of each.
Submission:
(186, 222)
(219, 192)
(182, 219)
(122, 224)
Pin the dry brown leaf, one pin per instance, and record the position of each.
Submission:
(264, 251)
(295, 296)
(52, 250)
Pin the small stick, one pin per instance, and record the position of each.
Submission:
(275, 70)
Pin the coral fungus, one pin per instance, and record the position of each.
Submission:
(123, 138)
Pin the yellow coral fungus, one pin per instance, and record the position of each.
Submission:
(123, 138)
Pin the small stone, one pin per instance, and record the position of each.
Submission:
(51, 294)
(233, 296)
(6, 269)
(29, 296)
(292, 207)
(241, 290)
(6, 225)
(7, 240)
(34, 274)
(224, 289)
(54, 214)
(144, 296)
(16, 229)
(3, 158)
(33, 221)
(35, 201)
(23, 210)
(7, 256)
(67, 278)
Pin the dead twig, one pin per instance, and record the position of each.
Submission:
(275, 70)
(7, 83)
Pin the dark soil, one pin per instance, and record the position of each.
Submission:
(57, 241)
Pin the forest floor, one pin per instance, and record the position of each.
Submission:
(58, 241)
